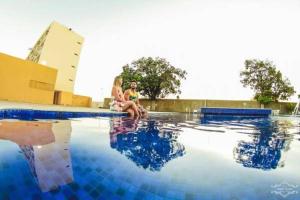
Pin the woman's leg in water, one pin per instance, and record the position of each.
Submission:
(136, 110)
(130, 112)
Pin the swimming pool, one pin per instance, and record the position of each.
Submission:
(168, 156)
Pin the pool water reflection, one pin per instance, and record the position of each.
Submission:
(163, 157)
(145, 144)
(45, 147)
(270, 140)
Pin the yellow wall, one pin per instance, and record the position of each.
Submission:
(63, 98)
(81, 101)
(70, 99)
(60, 48)
(26, 81)
(189, 105)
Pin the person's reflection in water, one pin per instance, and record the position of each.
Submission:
(144, 143)
(46, 148)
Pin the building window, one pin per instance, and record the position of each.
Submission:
(79, 43)
(71, 80)
(76, 54)
(73, 66)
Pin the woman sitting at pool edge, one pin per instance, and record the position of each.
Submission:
(119, 103)
(131, 94)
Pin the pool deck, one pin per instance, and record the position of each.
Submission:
(4, 105)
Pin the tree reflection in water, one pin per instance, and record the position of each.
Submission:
(270, 140)
(148, 143)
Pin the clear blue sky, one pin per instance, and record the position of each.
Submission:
(210, 39)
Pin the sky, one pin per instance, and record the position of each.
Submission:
(210, 39)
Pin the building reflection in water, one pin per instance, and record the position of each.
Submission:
(147, 143)
(45, 146)
(270, 140)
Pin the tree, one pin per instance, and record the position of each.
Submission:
(156, 77)
(267, 82)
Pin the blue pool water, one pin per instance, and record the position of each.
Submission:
(164, 157)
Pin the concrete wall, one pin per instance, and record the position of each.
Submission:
(63, 98)
(26, 81)
(70, 99)
(81, 101)
(97, 104)
(59, 47)
(188, 105)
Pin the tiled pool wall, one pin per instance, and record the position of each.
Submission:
(236, 111)
(28, 114)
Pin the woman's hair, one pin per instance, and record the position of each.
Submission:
(117, 81)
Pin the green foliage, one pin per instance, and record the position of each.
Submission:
(156, 77)
(290, 107)
(264, 99)
(267, 82)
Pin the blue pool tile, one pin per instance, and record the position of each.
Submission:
(2, 114)
(40, 114)
(106, 167)
(27, 114)
(18, 114)
(236, 111)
